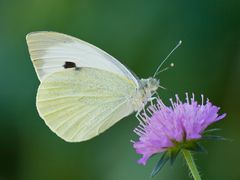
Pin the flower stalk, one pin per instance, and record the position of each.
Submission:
(191, 164)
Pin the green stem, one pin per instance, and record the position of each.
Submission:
(190, 162)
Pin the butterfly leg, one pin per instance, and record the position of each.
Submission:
(141, 114)
(141, 117)
(140, 110)
(156, 93)
(151, 100)
(162, 87)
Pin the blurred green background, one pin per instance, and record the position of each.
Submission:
(140, 34)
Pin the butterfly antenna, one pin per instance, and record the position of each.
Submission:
(158, 69)
(166, 68)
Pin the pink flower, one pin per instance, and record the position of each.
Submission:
(165, 128)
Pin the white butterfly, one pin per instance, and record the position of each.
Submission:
(83, 90)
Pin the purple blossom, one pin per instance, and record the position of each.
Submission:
(162, 127)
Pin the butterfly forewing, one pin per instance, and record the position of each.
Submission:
(50, 51)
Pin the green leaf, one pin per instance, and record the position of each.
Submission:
(160, 164)
(197, 147)
(173, 156)
(214, 138)
(211, 130)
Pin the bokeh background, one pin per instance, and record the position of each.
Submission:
(140, 34)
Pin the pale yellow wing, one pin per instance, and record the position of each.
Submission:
(78, 104)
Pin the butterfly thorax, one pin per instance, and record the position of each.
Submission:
(145, 92)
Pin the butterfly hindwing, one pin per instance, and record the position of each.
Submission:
(78, 104)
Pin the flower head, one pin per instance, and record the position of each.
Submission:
(165, 128)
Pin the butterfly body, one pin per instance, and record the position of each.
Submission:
(144, 93)
(83, 90)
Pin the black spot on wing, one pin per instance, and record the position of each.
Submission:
(69, 65)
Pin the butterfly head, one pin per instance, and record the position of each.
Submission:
(150, 85)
